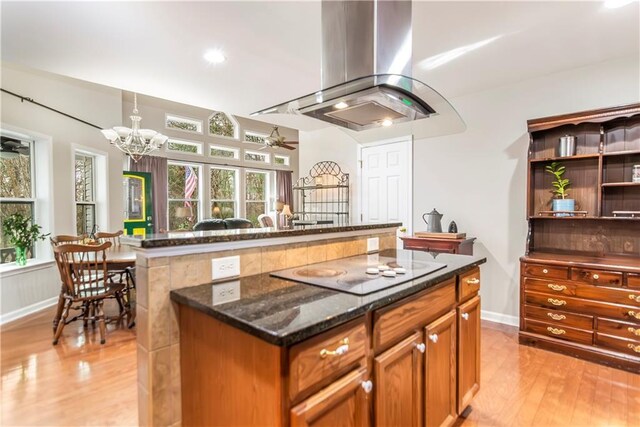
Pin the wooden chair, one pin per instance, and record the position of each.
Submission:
(114, 238)
(63, 239)
(87, 282)
(265, 220)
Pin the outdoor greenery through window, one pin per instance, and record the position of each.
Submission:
(85, 193)
(281, 160)
(183, 123)
(16, 188)
(254, 156)
(257, 138)
(184, 146)
(183, 188)
(256, 195)
(223, 152)
(223, 193)
(221, 125)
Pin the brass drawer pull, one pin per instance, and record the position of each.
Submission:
(558, 288)
(556, 301)
(339, 351)
(555, 331)
(473, 281)
(635, 348)
(545, 271)
(557, 316)
(635, 298)
(596, 276)
(634, 331)
(633, 314)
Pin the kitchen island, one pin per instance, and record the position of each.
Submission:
(263, 350)
(172, 261)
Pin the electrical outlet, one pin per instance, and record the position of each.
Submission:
(373, 244)
(222, 268)
(225, 292)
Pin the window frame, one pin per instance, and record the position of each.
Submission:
(257, 134)
(268, 201)
(236, 127)
(199, 124)
(236, 202)
(236, 152)
(93, 202)
(287, 160)
(198, 145)
(199, 200)
(266, 161)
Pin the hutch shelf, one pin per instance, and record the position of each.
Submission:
(323, 196)
(580, 275)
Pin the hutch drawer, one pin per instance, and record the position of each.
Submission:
(560, 332)
(541, 270)
(558, 317)
(626, 330)
(326, 356)
(596, 277)
(620, 296)
(618, 344)
(633, 280)
(469, 284)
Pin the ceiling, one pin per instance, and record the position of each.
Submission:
(273, 48)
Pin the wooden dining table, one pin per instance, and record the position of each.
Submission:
(117, 257)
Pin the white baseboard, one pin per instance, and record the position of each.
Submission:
(506, 319)
(24, 311)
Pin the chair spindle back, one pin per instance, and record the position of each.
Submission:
(83, 268)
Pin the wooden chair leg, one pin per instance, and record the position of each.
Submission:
(62, 321)
(85, 315)
(101, 323)
(59, 309)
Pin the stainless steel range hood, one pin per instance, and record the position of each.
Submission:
(367, 86)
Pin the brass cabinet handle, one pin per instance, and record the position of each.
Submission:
(596, 276)
(545, 271)
(556, 301)
(557, 316)
(421, 347)
(473, 281)
(367, 386)
(634, 314)
(558, 288)
(465, 316)
(634, 331)
(635, 348)
(433, 338)
(635, 298)
(339, 351)
(555, 331)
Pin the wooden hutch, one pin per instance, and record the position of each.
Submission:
(580, 276)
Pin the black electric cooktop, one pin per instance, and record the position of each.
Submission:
(350, 274)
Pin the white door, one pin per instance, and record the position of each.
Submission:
(386, 183)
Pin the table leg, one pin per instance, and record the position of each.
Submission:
(59, 309)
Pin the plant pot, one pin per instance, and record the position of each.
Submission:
(564, 205)
(21, 256)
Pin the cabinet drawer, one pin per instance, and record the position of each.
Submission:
(633, 280)
(618, 344)
(540, 270)
(596, 277)
(400, 319)
(469, 284)
(558, 287)
(558, 317)
(560, 332)
(326, 356)
(583, 306)
(626, 330)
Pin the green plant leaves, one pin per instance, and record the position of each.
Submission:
(560, 184)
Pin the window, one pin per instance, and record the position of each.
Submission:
(281, 160)
(224, 190)
(183, 123)
(16, 188)
(254, 156)
(221, 124)
(255, 137)
(183, 187)
(85, 193)
(256, 195)
(223, 152)
(184, 146)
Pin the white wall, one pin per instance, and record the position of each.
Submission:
(478, 177)
(96, 104)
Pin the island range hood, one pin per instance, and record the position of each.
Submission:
(366, 75)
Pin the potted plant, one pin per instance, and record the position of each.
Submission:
(21, 234)
(402, 232)
(560, 202)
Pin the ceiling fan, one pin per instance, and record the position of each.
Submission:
(11, 148)
(275, 140)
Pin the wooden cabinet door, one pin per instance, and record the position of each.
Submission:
(344, 403)
(468, 352)
(398, 384)
(440, 372)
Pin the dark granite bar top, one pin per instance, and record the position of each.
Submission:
(181, 238)
(284, 312)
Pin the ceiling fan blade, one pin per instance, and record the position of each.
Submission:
(264, 147)
(287, 147)
(293, 142)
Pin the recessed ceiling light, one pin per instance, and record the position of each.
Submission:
(386, 122)
(614, 4)
(340, 105)
(214, 56)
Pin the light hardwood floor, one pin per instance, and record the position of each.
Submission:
(80, 382)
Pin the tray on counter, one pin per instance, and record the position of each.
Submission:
(425, 234)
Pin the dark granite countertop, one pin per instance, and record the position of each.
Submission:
(180, 238)
(284, 312)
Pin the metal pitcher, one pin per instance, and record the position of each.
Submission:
(432, 219)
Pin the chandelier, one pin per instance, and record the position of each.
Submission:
(135, 142)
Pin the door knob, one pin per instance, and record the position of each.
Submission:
(421, 347)
(465, 316)
(367, 386)
(434, 338)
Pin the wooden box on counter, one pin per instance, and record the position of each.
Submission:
(434, 244)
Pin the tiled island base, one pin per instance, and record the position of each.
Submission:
(159, 395)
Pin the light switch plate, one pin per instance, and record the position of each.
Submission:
(373, 244)
(222, 268)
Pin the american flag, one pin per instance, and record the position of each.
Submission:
(190, 184)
